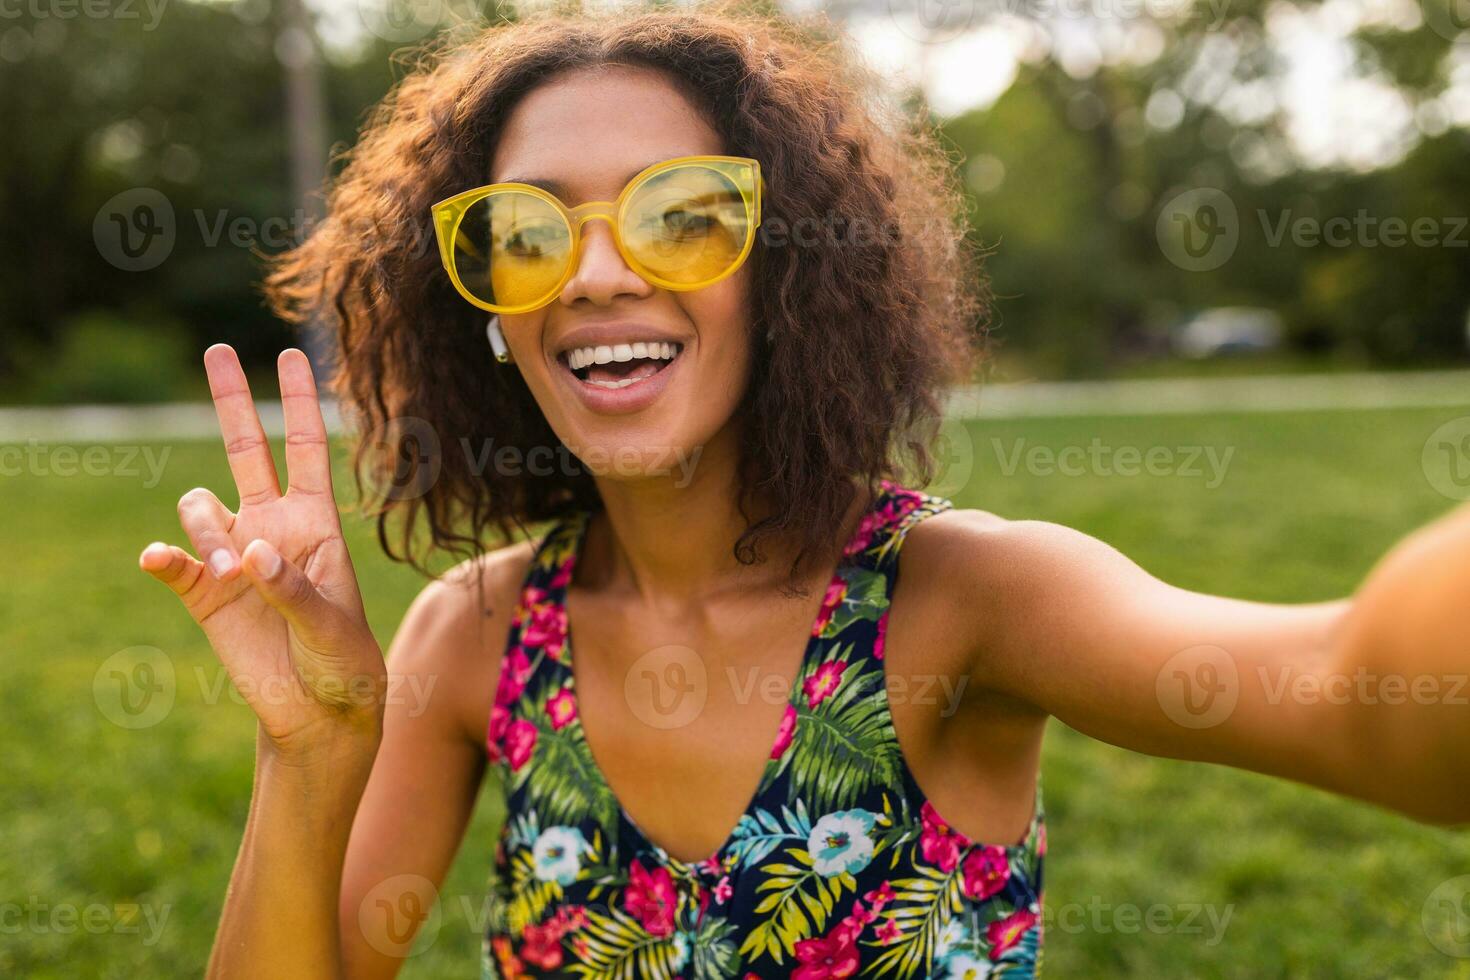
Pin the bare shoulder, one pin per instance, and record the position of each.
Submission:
(997, 583)
(966, 551)
(453, 633)
(478, 589)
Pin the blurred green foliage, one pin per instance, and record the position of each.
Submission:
(1067, 178)
(1067, 173)
(100, 357)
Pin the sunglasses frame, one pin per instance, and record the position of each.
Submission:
(449, 213)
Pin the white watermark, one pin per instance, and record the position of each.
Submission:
(36, 458)
(97, 918)
(1097, 458)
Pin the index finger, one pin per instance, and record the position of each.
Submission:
(246, 446)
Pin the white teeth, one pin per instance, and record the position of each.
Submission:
(620, 383)
(580, 357)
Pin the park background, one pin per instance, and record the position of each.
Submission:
(1232, 227)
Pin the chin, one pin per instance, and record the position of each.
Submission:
(622, 460)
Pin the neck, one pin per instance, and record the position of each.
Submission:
(672, 537)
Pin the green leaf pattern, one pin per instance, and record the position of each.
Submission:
(839, 867)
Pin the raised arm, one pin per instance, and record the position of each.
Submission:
(275, 593)
(388, 758)
(443, 666)
(1364, 696)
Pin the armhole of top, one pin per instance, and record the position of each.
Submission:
(554, 529)
(929, 506)
(515, 622)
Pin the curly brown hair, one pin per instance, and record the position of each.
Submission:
(865, 276)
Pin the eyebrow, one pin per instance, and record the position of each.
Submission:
(557, 188)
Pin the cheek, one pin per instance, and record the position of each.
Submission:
(722, 316)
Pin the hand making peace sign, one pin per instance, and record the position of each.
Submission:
(273, 587)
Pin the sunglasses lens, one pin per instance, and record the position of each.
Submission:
(512, 248)
(691, 224)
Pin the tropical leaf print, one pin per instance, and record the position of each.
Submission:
(894, 829)
(838, 868)
(713, 954)
(530, 896)
(797, 901)
(845, 744)
(562, 781)
(932, 921)
(758, 834)
(616, 947)
(865, 598)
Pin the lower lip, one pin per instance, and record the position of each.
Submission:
(620, 401)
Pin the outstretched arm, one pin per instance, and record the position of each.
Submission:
(1365, 696)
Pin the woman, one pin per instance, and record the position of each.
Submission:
(692, 299)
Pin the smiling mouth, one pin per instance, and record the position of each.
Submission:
(619, 365)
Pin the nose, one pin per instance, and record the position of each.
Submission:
(601, 274)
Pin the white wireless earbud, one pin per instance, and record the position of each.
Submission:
(497, 340)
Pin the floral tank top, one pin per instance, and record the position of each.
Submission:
(838, 868)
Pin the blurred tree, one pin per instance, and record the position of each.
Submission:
(189, 109)
(1117, 108)
(1071, 167)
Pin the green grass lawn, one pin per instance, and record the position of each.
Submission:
(94, 814)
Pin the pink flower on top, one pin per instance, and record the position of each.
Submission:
(520, 740)
(531, 596)
(562, 707)
(499, 722)
(882, 636)
(872, 520)
(986, 871)
(888, 931)
(880, 896)
(786, 732)
(650, 898)
(723, 891)
(563, 576)
(939, 843)
(569, 918)
(823, 682)
(832, 955)
(542, 946)
(858, 918)
(900, 506)
(1005, 933)
(547, 628)
(836, 592)
(515, 670)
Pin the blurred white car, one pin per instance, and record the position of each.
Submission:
(1227, 330)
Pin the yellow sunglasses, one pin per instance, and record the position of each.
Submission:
(680, 224)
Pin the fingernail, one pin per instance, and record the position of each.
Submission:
(220, 562)
(269, 563)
